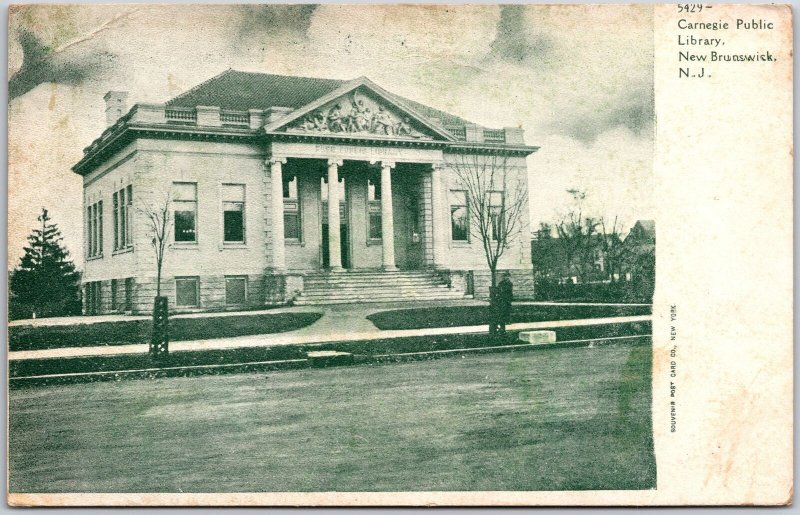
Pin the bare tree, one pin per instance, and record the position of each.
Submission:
(577, 235)
(497, 200)
(614, 250)
(158, 218)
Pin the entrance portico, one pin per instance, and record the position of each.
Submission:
(383, 213)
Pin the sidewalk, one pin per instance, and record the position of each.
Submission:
(348, 324)
(371, 308)
(557, 303)
(99, 319)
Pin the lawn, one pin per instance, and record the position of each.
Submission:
(365, 350)
(138, 331)
(475, 315)
(558, 419)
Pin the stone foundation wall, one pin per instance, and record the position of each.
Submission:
(211, 289)
(281, 289)
(278, 289)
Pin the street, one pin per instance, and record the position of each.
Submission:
(560, 419)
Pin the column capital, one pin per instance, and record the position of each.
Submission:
(271, 160)
(381, 163)
(437, 165)
(337, 162)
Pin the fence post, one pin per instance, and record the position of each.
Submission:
(159, 340)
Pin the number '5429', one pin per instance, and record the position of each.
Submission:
(690, 8)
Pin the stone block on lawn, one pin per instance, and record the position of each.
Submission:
(327, 358)
(538, 337)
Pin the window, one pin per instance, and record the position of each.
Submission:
(87, 295)
(89, 231)
(100, 227)
(496, 208)
(291, 209)
(185, 205)
(123, 202)
(235, 291)
(97, 296)
(94, 229)
(374, 206)
(233, 213)
(129, 294)
(187, 291)
(459, 216)
(374, 188)
(114, 294)
(93, 298)
(129, 215)
(290, 187)
(115, 206)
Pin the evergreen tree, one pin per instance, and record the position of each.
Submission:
(45, 283)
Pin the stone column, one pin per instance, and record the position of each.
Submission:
(334, 238)
(387, 216)
(440, 232)
(276, 182)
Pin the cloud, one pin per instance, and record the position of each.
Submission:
(260, 19)
(41, 65)
(515, 41)
(632, 109)
(60, 45)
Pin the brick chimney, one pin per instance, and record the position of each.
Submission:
(116, 106)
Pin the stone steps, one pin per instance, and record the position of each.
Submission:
(374, 294)
(388, 276)
(375, 286)
(380, 291)
(304, 301)
(368, 283)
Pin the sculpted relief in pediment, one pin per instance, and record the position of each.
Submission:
(358, 113)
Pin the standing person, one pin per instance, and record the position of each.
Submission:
(505, 296)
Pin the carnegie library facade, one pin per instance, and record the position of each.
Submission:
(287, 189)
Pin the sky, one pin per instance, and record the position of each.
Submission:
(578, 79)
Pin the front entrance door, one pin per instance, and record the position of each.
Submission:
(343, 243)
(409, 235)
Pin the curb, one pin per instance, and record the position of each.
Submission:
(343, 359)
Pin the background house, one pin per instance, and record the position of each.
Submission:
(595, 267)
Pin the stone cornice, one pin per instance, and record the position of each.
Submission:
(123, 134)
(126, 129)
(351, 139)
(490, 149)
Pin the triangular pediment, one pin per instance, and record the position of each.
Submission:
(360, 109)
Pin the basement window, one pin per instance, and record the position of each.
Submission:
(187, 291)
(236, 290)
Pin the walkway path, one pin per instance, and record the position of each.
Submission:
(345, 324)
